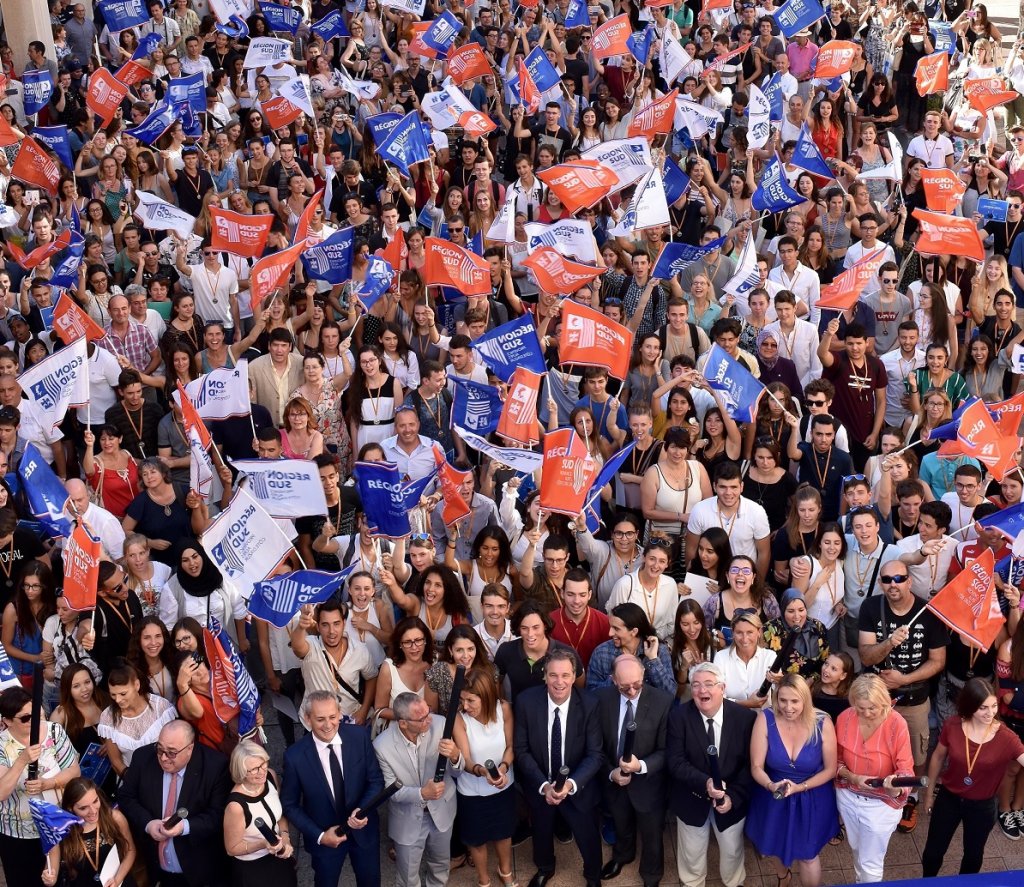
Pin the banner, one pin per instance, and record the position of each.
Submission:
(526, 461)
(445, 107)
(38, 87)
(407, 143)
(222, 393)
(241, 235)
(284, 487)
(629, 159)
(588, 338)
(277, 600)
(281, 18)
(842, 294)
(105, 94)
(56, 139)
(946, 235)
(147, 43)
(331, 259)
(571, 237)
(796, 15)
(773, 193)
(968, 604)
(1009, 521)
(384, 498)
(451, 265)
(363, 90)
(835, 58)
(159, 120)
(569, 470)
(279, 112)
(556, 274)
(979, 437)
(34, 167)
(943, 189)
(159, 215)
(467, 62)
(610, 38)
(676, 257)
(608, 471)
(740, 390)
(759, 112)
(59, 381)
(518, 421)
(655, 118)
(542, 72)
(44, 492)
(450, 481)
(81, 558)
(232, 688)
(932, 73)
(475, 406)
(991, 209)
(273, 271)
(244, 539)
(121, 15)
(509, 346)
(982, 93)
(267, 51)
(578, 183)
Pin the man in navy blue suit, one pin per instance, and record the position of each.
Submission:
(329, 775)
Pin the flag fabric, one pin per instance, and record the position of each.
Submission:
(381, 126)
(191, 419)
(147, 43)
(286, 488)
(979, 438)
(159, 215)
(279, 112)
(503, 228)
(576, 15)
(396, 252)
(985, 93)
(676, 181)
(943, 189)
(59, 381)
(71, 322)
(450, 481)
(528, 91)
(611, 38)
(773, 192)
(379, 278)
(567, 474)
(942, 36)
(239, 234)
(556, 274)
(1009, 521)
(673, 59)
(451, 265)
(571, 237)
(629, 159)
(38, 87)
(1007, 414)
(543, 74)
(675, 257)
(475, 406)
(740, 390)
(266, 52)
(122, 15)
(842, 294)
(796, 15)
(806, 156)
(968, 603)
(948, 430)
(518, 421)
(509, 346)
(589, 338)
(720, 61)
(81, 557)
(655, 118)
(302, 227)
(133, 72)
(157, 122)
(650, 205)
(515, 458)
(363, 90)
(41, 253)
(759, 112)
(281, 18)
(608, 471)
(105, 94)
(414, 7)
(746, 276)
(476, 123)
(946, 235)
(278, 599)
(579, 183)
(66, 273)
(52, 822)
(330, 26)
(331, 259)
(222, 393)
(932, 73)
(232, 688)
(273, 271)
(384, 498)
(200, 467)
(697, 120)
(34, 167)
(244, 539)
(56, 139)
(639, 43)
(835, 58)
(407, 143)
(467, 62)
(44, 492)
(190, 90)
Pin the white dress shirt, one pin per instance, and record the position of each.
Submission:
(801, 347)
(803, 283)
(623, 700)
(563, 715)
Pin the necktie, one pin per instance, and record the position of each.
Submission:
(169, 807)
(556, 745)
(626, 721)
(337, 780)
(711, 732)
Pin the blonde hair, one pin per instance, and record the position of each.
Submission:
(810, 717)
(245, 750)
(871, 688)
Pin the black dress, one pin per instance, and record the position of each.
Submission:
(86, 875)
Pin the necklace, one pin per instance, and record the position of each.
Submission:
(213, 283)
(430, 622)
(138, 431)
(721, 520)
(653, 608)
(822, 475)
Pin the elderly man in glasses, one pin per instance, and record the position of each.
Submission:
(906, 646)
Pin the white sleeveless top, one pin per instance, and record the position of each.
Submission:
(396, 683)
(377, 652)
(669, 498)
(486, 743)
(829, 594)
(475, 585)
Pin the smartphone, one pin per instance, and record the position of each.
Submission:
(32, 198)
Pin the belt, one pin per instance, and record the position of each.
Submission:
(376, 422)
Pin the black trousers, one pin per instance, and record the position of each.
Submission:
(629, 822)
(950, 810)
(22, 859)
(583, 823)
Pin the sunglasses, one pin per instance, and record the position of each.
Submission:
(898, 578)
(816, 403)
(850, 477)
(658, 542)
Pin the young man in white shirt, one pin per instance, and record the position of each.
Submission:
(929, 552)
(868, 244)
(935, 149)
(899, 363)
(793, 275)
(798, 338)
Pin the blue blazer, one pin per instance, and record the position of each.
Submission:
(306, 795)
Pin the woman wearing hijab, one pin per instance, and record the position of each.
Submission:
(809, 647)
(198, 589)
(775, 368)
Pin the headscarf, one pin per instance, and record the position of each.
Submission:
(761, 337)
(209, 578)
(807, 645)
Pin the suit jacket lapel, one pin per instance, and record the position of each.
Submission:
(318, 767)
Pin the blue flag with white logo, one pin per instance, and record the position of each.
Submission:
(383, 496)
(475, 407)
(795, 15)
(407, 143)
(440, 35)
(331, 259)
(772, 91)
(245, 688)
(147, 43)
(807, 156)
(76, 220)
(277, 600)
(52, 822)
(236, 27)
(379, 277)
(577, 15)
(38, 87)
(191, 125)
(156, 124)
(740, 390)
(281, 18)
(542, 72)
(7, 675)
(381, 126)
(120, 15)
(1010, 520)
(640, 42)
(677, 256)
(330, 26)
(189, 90)
(943, 37)
(510, 346)
(476, 244)
(66, 273)
(604, 477)
(44, 491)
(773, 192)
(56, 139)
(675, 180)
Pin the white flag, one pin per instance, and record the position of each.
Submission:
(264, 51)
(221, 393)
(674, 58)
(59, 381)
(759, 110)
(200, 468)
(650, 203)
(570, 237)
(445, 107)
(746, 277)
(363, 90)
(224, 9)
(243, 538)
(503, 228)
(695, 118)
(159, 215)
(520, 460)
(296, 90)
(284, 487)
(629, 159)
(414, 7)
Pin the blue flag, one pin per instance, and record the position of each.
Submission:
(331, 259)
(7, 674)
(407, 143)
(577, 15)
(236, 27)
(676, 181)
(330, 26)
(1010, 520)
(38, 87)
(381, 126)
(510, 346)
(66, 273)
(147, 44)
(191, 125)
(475, 407)
(807, 156)
(383, 496)
(476, 244)
(773, 192)
(245, 688)
(56, 139)
(277, 600)
(441, 34)
(189, 90)
(740, 390)
(795, 15)
(52, 822)
(120, 15)
(677, 256)
(281, 18)
(379, 277)
(639, 44)
(604, 477)
(772, 91)
(156, 124)
(76, 219)
(943, 37)
(44, 491)
(543, 73)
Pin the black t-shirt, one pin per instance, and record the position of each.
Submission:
(577, 68)
(511, 662)
(234, 436)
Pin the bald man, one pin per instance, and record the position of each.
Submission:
(100, 522)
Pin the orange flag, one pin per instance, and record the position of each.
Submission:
(268, 273)
(239, 234)
(932, 73)
(81, 568)
(476, 123)
(579, 183)
(190, 418)
(396, 252)
(467, 62)
(222, 678)
(518, 421)
(1007, 414)
(979, 437)
(105, 94)
(302, 228)
(589, 338)
(71, 322)
(655, 118)
(132, 72)
(556, 274)
(34, 167)
(984, 93)
(610, 38)
(946, 235)
(835, 58)
(567, 472)
(41, 253)
(7, 134)
(416, 45)
(968, 603)
(279, 112)
(451, 265)
(528, 91)
(943, 189)
(843, 293)
(450, 480)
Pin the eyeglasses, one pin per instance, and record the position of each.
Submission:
(898, 578)
(31, 586)
(183, 641)
(618, 534)
(251, 771)
(959, 485)
(170, 753)
(456, 230)
(816, 403)
(209, 252)
(740, 571)
(416, 642)
(704, 685)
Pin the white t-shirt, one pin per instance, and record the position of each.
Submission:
(747, 527)
(212, 291)
(929, 577)
(104, 371)
(933, 153)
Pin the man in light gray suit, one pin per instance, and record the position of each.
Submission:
(422, 812)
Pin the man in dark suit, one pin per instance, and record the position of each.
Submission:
(556, 727)
(709, 719)
(178, 772)
(329, 775)
(634, 789)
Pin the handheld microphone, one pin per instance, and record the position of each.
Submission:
(560, 779)
(178, 815)
(490, 767)
(261, 826)
(900, 782)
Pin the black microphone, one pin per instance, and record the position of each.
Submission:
(176, 817)
(899, 782)
(458, 683)
(492, 769)
(560, 779)
(716, 771)
(627, 743)
(781, 660)
(261, 826)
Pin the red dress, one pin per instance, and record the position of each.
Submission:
(115, 489)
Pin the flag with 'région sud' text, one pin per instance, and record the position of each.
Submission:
(81, 557)
(968, 603)
(568, 472)
(589, 338)
(947, 235)
(451, 265)
(236, 233)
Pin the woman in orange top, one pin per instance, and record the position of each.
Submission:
(873, 742)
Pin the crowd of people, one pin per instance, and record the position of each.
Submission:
(740, 647)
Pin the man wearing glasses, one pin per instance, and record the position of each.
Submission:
(968, 493)
(906, 646)
(178, 772)
(891, 308)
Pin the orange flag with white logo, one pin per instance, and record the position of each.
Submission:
(968, 604)
(610, 38)
(451, 265)
(528, 91)
(476, 123)
(557, 274)
(396, 252)
(105, 94)
(70, 322)
(843, 293)
(567, 472)
(835, 58)
(943, 189)
(979, 437)
(81, 568)
(655, 118)
(932, 73)
(450, 479)
(41, 253)
(518, 420)
(985, 93)
(268, 273)
(34, 167)
(191, 419)
(579, 183)
(1008, 413)
(946, 235)
(238, 233)
(467, 62)
(588, 338)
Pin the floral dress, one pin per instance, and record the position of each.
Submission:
(330, 422)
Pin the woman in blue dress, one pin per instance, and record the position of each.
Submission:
(793, 761)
